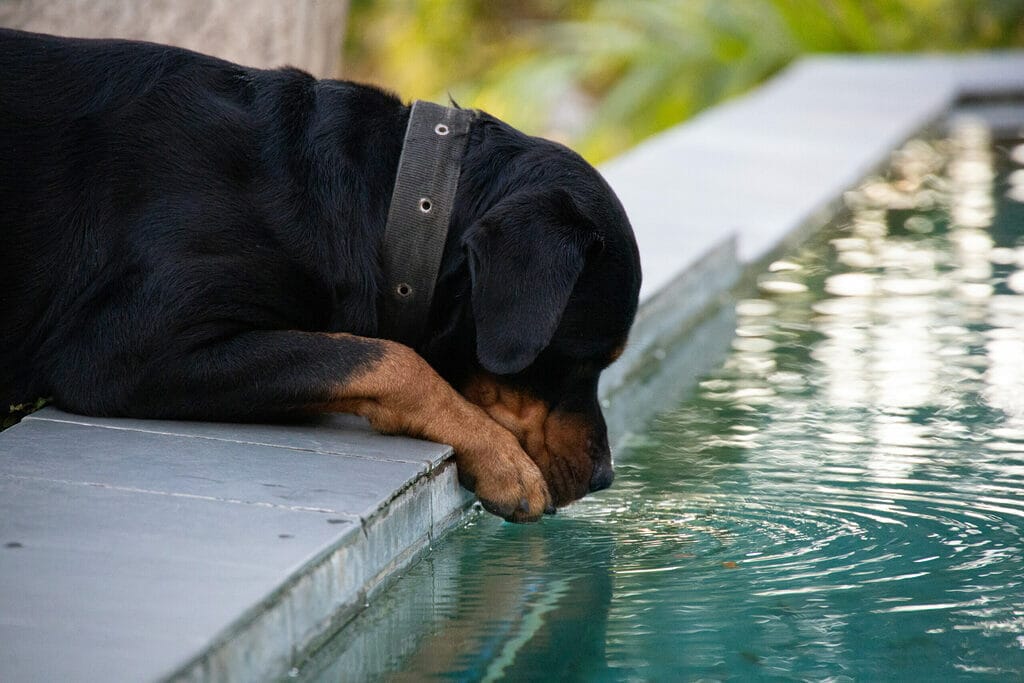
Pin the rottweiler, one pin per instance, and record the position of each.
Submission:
(185, 238)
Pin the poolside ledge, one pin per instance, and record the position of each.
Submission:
(151, 550)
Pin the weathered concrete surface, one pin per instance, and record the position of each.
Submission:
(761, 166)
(133, 549)
(138, 550)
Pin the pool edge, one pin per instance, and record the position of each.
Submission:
(326, 592)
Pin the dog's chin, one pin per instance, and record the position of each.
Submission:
(566, 460)
(559, 443)
(565, 484)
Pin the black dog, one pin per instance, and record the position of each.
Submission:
(182, 237)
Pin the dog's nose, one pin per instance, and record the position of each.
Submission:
(602, 476)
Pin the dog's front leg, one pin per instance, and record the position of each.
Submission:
(399, 393)
(277, 372)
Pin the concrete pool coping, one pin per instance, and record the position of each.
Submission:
(171, 550)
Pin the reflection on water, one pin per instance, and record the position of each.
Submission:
(842, 499)
(495, 600)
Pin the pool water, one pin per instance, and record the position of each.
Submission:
(842, 499)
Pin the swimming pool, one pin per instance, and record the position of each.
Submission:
(843, 498)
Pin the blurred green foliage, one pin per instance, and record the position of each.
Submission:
(601, 75)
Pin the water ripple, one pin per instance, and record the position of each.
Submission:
(859, 458)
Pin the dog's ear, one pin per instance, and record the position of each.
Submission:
(525, 255)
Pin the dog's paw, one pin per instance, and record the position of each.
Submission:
(507, 482)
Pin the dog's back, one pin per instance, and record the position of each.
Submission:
(69, 111)
(130, 172)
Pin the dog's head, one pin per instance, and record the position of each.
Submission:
(548, 285)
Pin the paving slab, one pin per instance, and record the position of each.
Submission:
(139, 550)
(763, 165)
(213, 469)
(347, 435)
(103, 583)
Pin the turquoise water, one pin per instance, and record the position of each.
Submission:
(842, 499)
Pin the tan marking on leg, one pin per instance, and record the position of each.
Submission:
(557, 442)
(401, 394)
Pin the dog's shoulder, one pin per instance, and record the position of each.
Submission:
(131, 173)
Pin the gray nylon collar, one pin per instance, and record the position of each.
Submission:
(421, 206)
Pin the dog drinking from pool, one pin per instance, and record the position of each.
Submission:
(186, 238)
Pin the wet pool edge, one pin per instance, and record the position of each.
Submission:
(819, 127)
(314, 604)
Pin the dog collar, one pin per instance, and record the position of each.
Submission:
(421, 206)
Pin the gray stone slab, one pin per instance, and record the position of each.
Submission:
(330, 591)
(762, 165)
(99, 583)
(337, 434)
(139, 554)
(228, 471)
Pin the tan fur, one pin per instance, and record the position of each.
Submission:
(401, 394)
(558, 442)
